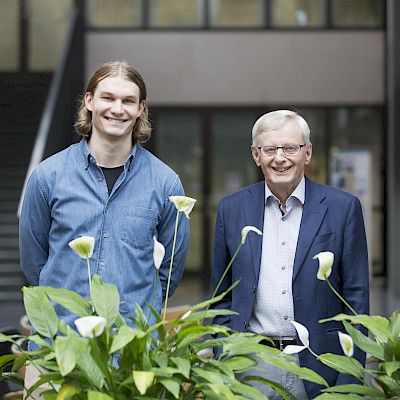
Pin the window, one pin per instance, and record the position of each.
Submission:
(358, 13)
(176, 13)
(297, 13)
(116, 13)
(9, 33)
(236, 13)
(46, 39)
(178, 143)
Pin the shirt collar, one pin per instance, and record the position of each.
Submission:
(298, 192)
(89, 158)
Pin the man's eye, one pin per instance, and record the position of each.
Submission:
(106, 97)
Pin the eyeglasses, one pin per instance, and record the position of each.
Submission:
(288, 150)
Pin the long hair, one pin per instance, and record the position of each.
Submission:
(141, 131)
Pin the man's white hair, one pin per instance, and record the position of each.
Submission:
(276, 119)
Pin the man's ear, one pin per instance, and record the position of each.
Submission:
(308, 153)
(255, 154)
(88, 101)
(142, 106)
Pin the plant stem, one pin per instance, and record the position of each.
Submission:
(226, 271)
(341, 298)
(90, 280)
(170, 265)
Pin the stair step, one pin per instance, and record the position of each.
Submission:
(9, 242)
(12, 295)
(8, 218)
(10, 268)
(8, 229)
(7, 255)
(16, 281)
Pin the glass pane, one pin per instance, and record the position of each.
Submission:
(316, 119)
(114, 14)
(232, 164)
(297, 13)
(46, 39)
(369, 13)
(178, 144)
(176, 13)
(9, 33)
(237, 13)
(357, 158)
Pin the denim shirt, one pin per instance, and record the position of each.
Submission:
(67, 197)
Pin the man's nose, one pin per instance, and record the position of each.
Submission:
(280, 155)
(117, 107)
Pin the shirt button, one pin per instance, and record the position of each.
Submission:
(105, 235)
(283, 243)
(102, 263)
(285, 317)
(283, 291)
(100, 179)
(283, 268)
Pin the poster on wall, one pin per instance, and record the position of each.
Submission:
(350, 170)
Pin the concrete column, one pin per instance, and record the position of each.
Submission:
(393, 154)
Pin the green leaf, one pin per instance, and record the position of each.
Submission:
(246, 344)
(172, 386)
(355, 389)
(337, 396)
(67, 391)
(143, 380)
(183, 365)
(39, 340)
(90, 368)
(249, 392)
(124, 336)
(105, 300)
(391, 367)
(215, 299)
(201, 315)
(209, 376)
(92, 395)
(376, 324)
(302, 372)
(6, 359)
(68, 351)
(239, 363)
(190, 333)
(222, 391)
(8, 338)
(394, 324)
(365, 343)
(343, 364)
(274, 385)
(70, 300)
(41, 313)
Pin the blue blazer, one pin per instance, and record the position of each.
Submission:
(332, 221)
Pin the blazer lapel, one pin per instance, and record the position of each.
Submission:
(254, 205)
(313, 213)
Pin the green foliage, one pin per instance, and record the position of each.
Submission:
(138, 361)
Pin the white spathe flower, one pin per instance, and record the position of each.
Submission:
(143, 380)
(90, 326)
(347, 344)
(293, 349)
(158, 253)
(183, 203)
(187, 313)
(247, 229)
(325, 259)
(302, 333)
(83, 246)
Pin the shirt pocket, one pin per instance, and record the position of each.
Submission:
(139, 226)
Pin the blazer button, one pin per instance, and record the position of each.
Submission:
(253, 289)
(246, 325)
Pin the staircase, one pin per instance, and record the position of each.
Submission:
(22, 97)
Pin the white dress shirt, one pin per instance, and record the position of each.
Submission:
(273, 307)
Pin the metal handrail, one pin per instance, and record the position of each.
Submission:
(50, 106)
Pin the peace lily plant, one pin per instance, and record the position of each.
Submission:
(101, 357)
(383, 347)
